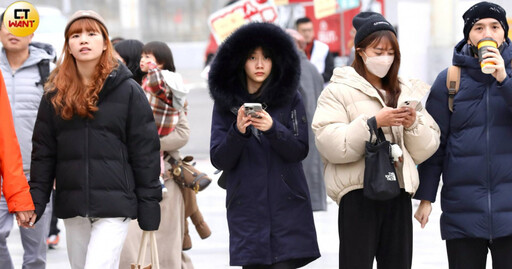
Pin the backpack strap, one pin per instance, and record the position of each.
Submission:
(452, 84)
(44, 71)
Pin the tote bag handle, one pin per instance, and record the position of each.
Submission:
(148, 235)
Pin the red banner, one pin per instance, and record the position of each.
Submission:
(332, 31)
(327, 30)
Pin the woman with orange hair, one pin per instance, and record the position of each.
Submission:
(96, 136)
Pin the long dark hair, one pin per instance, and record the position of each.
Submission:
(267, 52)
(390, 82)
(130, 50)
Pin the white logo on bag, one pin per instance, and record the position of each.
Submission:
(391, 176)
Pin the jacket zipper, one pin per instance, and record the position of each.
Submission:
(13, 106)
(489, 202)
(295, 123)
(87, 167)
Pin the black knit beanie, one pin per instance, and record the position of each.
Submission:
(368, 22)
(484, 10)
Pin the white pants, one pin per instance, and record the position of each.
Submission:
(95, 242)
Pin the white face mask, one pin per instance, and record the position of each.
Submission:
(379, 65)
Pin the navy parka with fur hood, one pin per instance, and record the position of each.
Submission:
(104, 167)
(475, 153)
(268, 205)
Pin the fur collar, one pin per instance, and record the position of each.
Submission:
(226, 87)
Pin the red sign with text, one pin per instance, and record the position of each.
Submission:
(223, 22)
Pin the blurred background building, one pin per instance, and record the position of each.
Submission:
(166, 20)
(427, 29)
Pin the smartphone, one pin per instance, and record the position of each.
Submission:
(252, 109)
(413, 104)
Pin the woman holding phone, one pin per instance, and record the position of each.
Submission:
(371, 90)
(268, 205)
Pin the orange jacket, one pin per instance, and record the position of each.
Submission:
(15, 187)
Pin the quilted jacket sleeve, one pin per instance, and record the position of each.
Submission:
(14, 183)
(44, 156)
(338, 139)
(431, 169)
(422, 139)
(144, 151)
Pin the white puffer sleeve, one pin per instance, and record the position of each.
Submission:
(338, 138)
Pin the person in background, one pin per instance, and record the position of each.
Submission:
(474, 156)
(15, 194)
(128, 52)
(170, 235)
(95, 137)
(22, 63)
(316, 51)
(164, 89)
(116, 40)
(371, 90)
(311, 85)
(269, 212)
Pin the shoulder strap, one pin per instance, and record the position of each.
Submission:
(452, 84)
(44, 71)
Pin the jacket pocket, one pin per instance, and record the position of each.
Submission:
(295, 193)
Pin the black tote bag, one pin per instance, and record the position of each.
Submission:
(380, 180)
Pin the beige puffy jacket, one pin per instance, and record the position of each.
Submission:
(341, 131)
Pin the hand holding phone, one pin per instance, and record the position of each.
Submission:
(410, 118)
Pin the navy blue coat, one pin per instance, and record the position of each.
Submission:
(475, 153)
(268, 204)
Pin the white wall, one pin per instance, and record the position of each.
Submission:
(414, 38)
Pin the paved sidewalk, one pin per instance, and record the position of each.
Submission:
(212, 253)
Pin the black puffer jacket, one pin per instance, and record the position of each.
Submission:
(104, 167)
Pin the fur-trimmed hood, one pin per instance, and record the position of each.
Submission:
(227, 89)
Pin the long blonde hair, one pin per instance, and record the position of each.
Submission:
(70, 95)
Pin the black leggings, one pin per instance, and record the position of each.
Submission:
(280, 265)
